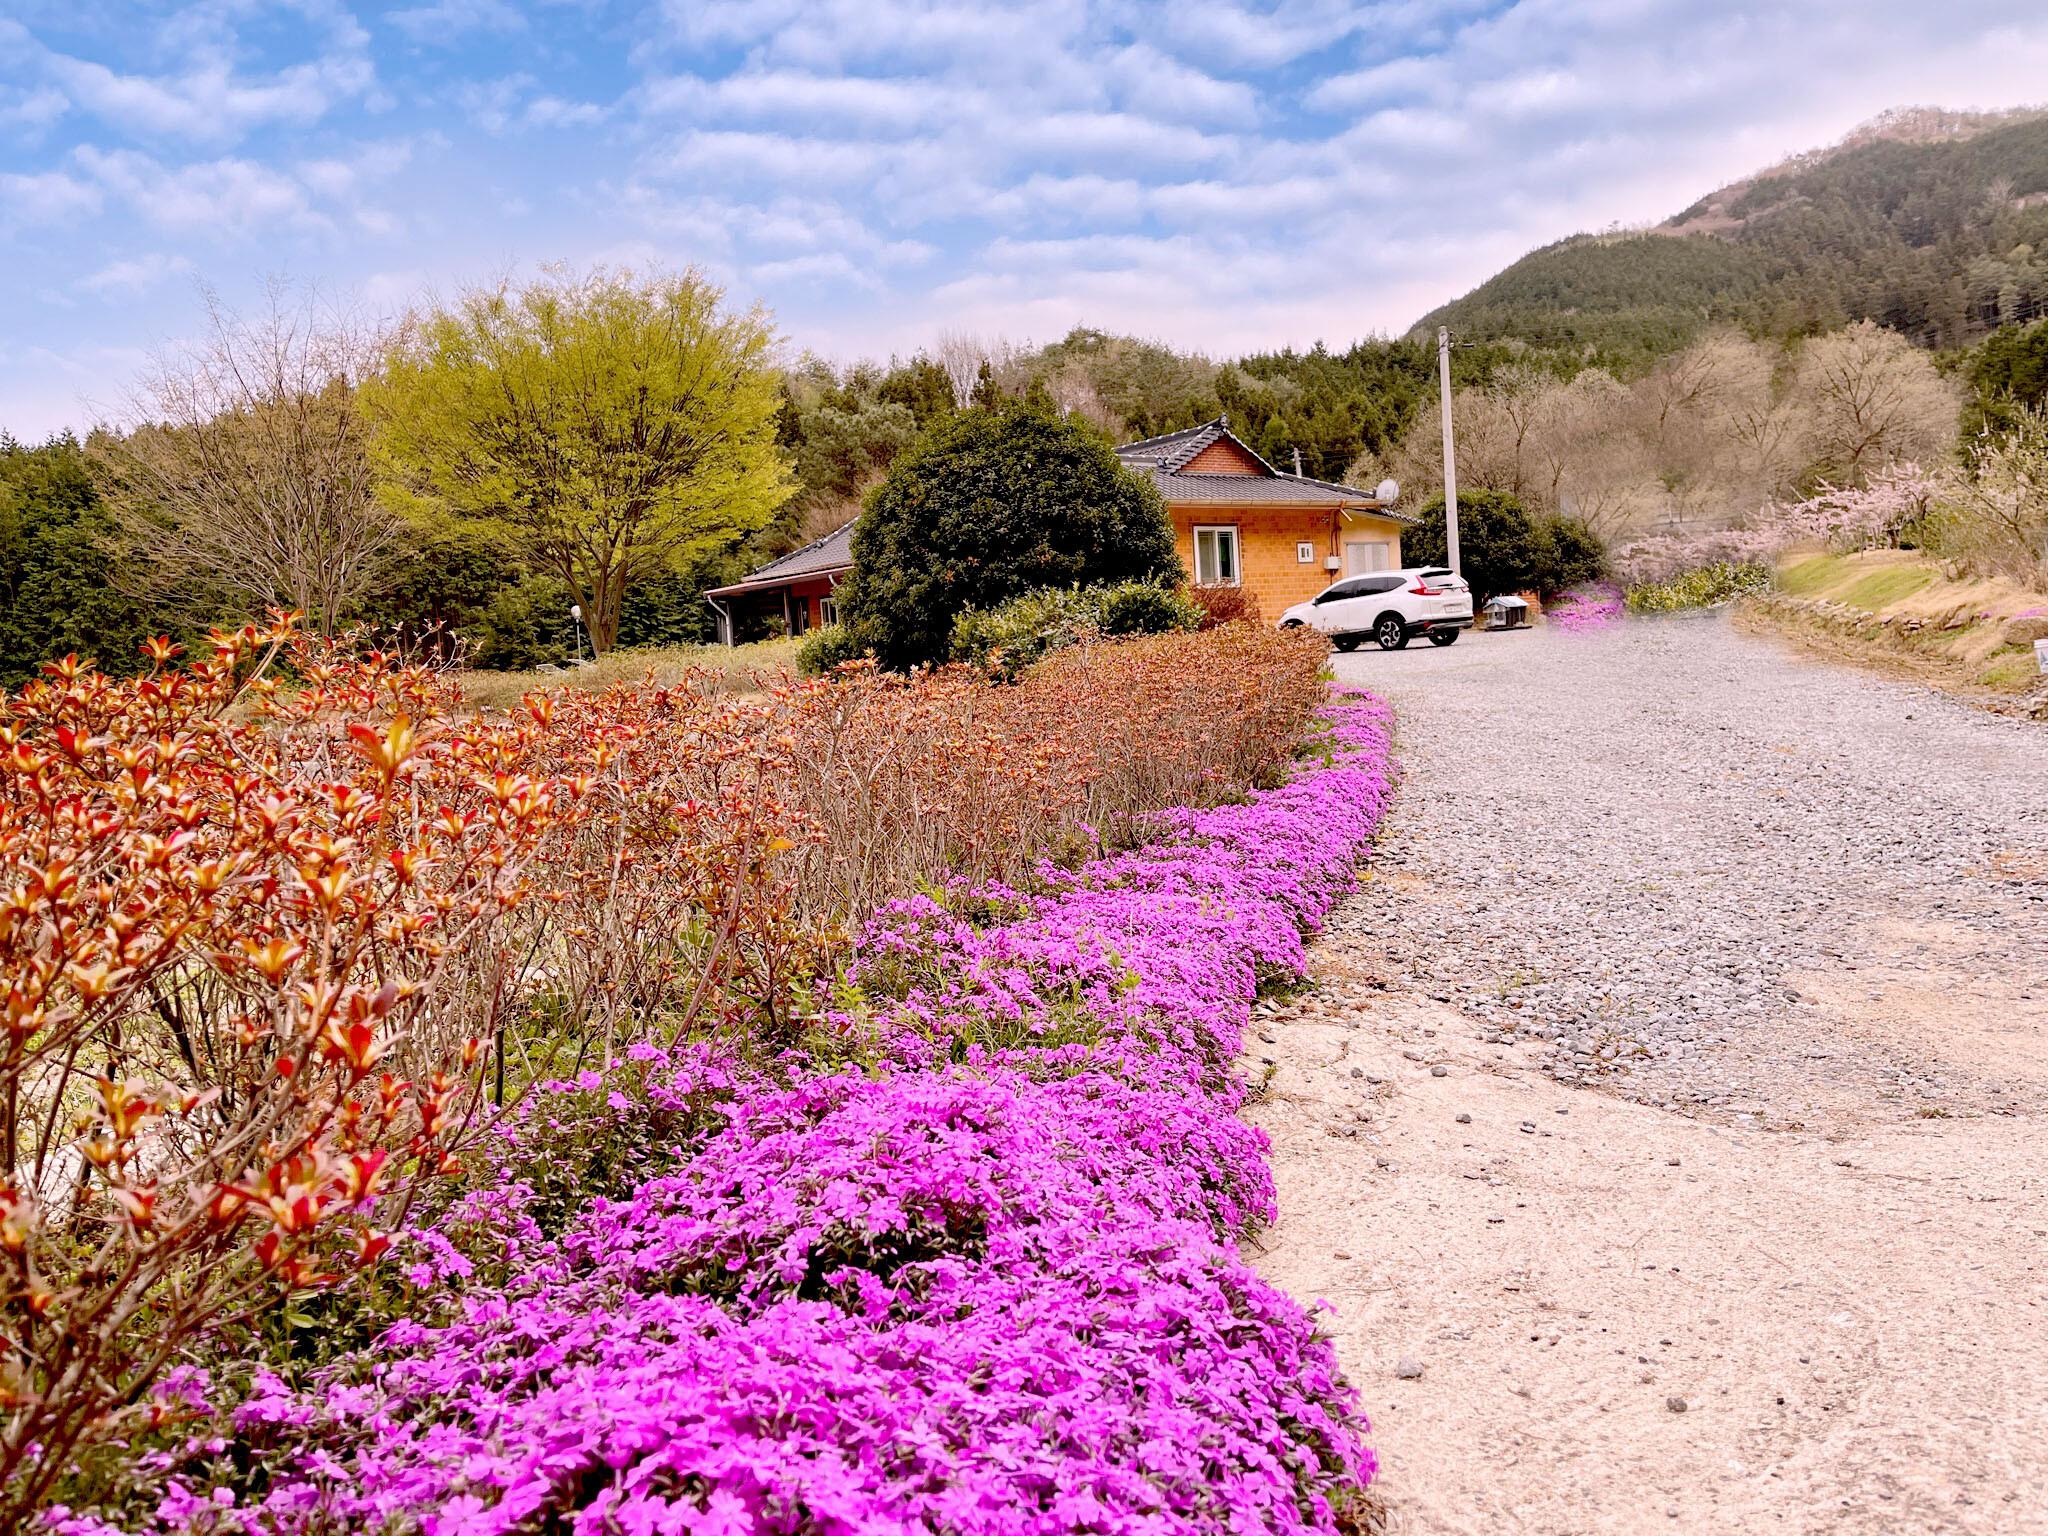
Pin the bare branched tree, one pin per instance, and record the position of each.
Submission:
(1699, 441)
(1073, 390)
(1996, 515)
(1872, 398)
(243, 463)
(960, 356)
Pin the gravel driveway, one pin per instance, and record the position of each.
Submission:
(1664, 1126)
(1629, 844)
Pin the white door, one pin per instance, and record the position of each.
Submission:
(1346, 608)
(1363, 555)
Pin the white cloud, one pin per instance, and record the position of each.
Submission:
(1224, 202)
(782, 231)
(498, 105)
(996, 42)
(493, 104)
(450, 21)
(233, 198)
(774, 157)
(46, 197)
(343, 179)
(1264, 38)
(205, 100)
(1063, 200)
(1160, 86)
(133, 276)
(229, 196)
(31, 108)
(1418, 76)
(1122, 137)
(823, 267)
(555, 112)
(784, 95)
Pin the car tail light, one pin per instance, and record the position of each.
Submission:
(1424, 589)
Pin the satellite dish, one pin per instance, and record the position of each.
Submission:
(1388, 491)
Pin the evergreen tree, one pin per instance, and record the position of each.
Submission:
(993, 504)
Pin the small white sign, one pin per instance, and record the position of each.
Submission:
(1305, 553)
(2041, 655)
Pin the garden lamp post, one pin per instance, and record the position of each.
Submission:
(576, 619)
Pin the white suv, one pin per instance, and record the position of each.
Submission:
(1392, 607)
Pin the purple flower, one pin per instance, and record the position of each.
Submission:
(990, 1284)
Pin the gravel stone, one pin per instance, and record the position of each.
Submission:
(1580, 831)
(1407, 1368)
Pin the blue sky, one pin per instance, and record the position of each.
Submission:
(1218, 173)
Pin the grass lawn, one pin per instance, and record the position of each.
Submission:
(1917, 609)
(728, 668)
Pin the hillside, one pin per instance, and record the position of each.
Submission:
(1933, 224)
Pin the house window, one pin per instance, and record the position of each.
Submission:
(1362, 555)
(1304, 553)
(1216, 557)
(828, 610)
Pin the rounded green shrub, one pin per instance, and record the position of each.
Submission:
(1504, 547)
(829, 645)
(1701, 588)
(996, 503)
(1009, 637)
(1147, 608)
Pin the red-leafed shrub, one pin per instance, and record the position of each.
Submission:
(948, 776)
(280, 929)
(1226, 605)
(260, 943)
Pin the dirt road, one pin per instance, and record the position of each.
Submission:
(1673, 1097)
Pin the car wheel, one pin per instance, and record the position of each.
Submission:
(1290, 623)
(1390, 632)
(1443, 637)
(1346, 643)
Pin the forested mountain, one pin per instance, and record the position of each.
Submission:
(1932, 224)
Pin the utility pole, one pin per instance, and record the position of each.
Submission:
(1443, 374)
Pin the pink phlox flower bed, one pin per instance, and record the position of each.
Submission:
(989, 1282)
(1583, 609)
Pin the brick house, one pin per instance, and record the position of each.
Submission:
(1237, 520)
(791, 594)
(1241, 522)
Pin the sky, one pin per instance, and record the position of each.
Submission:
(1220, 174)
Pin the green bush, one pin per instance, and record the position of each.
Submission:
(524, 624)
(827, 646)
(1010, 637)
(1147, 608)
(1701, 588)
(56, 591)
(988, 506)
(1503, 547)
(1568, 554)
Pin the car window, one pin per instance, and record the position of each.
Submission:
(1377, 584)
(1355, 587)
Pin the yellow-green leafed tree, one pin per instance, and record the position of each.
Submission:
(616, 426)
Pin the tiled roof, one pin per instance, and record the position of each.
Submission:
(1171, 451)
(820, 557)
(1162, 458)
